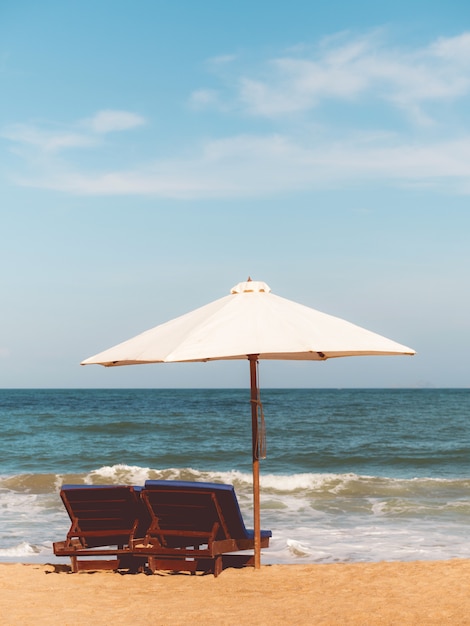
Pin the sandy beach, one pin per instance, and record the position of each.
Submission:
(420, 593)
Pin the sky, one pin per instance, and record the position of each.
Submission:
(153, 154)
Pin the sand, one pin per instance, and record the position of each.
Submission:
(420, 593)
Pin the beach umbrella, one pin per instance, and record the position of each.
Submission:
(250, 323)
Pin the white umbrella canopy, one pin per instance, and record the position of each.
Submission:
(251, 320)
(251, 323)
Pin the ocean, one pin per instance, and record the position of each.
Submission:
(350, 474)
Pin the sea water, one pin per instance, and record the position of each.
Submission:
(350, 475)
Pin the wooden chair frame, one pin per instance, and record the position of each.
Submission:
(193, 527)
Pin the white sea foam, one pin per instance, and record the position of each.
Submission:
(120, 473)
(20, 550)
(297, 549)
(313, 517)
(296, 482)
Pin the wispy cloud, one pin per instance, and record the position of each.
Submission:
(350, 69)
(222, 59)
(110, 121)
(359, 73)
(202, 98)
(46, 140)
(250, 165)
(50, 138)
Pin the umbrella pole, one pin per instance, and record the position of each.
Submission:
(253, 358)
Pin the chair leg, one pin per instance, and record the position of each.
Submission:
(218, 565)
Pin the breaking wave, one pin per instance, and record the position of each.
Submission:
(314, 517)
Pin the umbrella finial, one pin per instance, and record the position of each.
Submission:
(251, 286)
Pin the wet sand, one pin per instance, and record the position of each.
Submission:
(420, 593)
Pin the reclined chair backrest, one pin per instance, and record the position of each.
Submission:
(103, 514)
(198, 509)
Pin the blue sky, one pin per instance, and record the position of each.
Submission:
(154, 154)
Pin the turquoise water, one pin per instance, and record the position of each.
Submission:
(350, 475)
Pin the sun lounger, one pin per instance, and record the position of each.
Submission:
(194, 527)
(105, 521)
